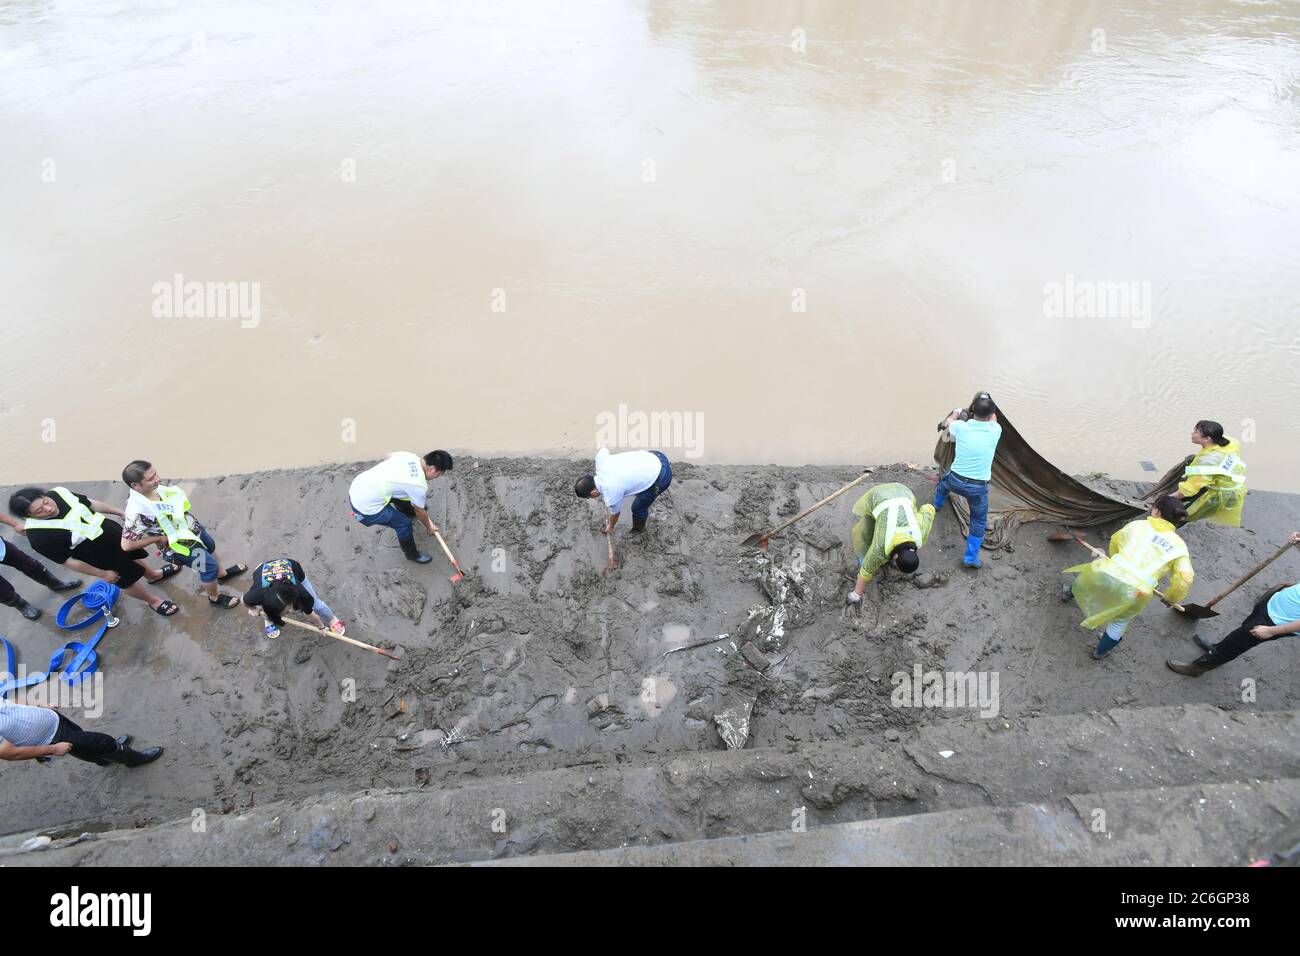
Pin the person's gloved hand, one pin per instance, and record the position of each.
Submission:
(854, 597)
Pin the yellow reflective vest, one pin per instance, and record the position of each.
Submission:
(887, 517)
(80, 522)
(1220, 472)
(1119, 586)
(169, 511)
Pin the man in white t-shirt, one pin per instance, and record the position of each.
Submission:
(645, 474)
(394, 491)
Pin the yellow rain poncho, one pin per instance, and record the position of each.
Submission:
(887, 517)
(1141, 553)
(1220, 471)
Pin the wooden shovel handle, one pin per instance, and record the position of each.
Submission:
(340, 637)
(447, 551)
(1242, 580)
(829, 498)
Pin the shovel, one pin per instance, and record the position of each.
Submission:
(1203, 611)
(340, 637)
(609, 540)
(459, 575)
(1097, 552)
(760, 540)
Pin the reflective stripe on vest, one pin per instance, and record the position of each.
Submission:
(80, 522)
(1162, 550)
(896, 505)
(1231, 467)
(170, 513)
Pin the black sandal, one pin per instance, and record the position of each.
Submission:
(224, 600)
(166, 609)
(167, 572)
(234, 571)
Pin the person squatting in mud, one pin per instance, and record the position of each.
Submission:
(1114, 590)
(72, 530)
(645, 474)
(889, 529)
(395, 491)
(160, 515)
(1214, 481)
(281, 585)
(1275, 615)
(15, 557)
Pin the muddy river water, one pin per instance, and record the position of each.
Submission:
(255, 235)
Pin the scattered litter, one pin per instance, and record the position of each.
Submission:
(733, 724)
(945, 754)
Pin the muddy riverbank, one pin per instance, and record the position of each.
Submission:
(539, 661)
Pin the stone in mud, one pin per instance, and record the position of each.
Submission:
(754, 657)
(597, 704)
(733, 724)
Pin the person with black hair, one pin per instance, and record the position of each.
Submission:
(1276, 614)
(1112, 591)
(16, 557)
(1214, 485)
(160, 515)
(976, 432)
(644, 474)
(36, 731)
(889, 530)
(281, 585)
(394, 491)
(73, 530)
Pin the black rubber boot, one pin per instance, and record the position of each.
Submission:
(27, 611)
(56, 584)
(638, 525)
(412, 553)
(1206, 662)
(133, 758)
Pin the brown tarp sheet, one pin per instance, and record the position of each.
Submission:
(1025, 487)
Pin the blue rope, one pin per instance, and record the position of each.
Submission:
(98, 599)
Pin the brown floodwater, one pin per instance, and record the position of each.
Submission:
(808, 228)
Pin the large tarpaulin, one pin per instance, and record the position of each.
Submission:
(1025, 486)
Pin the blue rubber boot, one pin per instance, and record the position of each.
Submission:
(972, 556)
(1104, 647)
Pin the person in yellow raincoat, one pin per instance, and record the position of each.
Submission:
(1214, 483)
(889, 529)
(1114, 590)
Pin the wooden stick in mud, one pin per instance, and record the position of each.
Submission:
(340, 637)
(758, 540)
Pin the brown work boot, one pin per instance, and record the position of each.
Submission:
(1206, 662)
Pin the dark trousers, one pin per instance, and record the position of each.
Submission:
(397, 514)
(976, 494)
(25, 563)
(86, 744)
(642, 502)
(1241, 640)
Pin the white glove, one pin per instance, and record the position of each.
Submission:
(854, 597)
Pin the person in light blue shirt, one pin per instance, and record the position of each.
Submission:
(972, 467)
(1276, 614)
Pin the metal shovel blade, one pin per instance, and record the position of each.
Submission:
(1199, 611)
(755, 541)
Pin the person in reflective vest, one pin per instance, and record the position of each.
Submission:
(158, 514)
(1214, 481)
(73, 530)
(1112, 591)
(890, 529)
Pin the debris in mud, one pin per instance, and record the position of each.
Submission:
(733, 724)
(789, 587)
(754, 658)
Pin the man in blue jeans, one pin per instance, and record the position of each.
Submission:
(394, 491)
(645, 474)
(972, 466)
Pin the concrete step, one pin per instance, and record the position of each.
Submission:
(1227, 824)
(705, 795)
